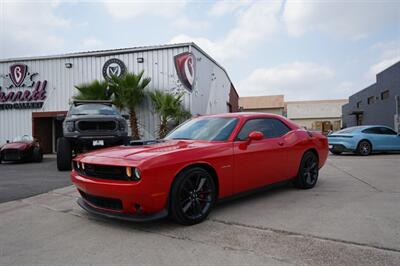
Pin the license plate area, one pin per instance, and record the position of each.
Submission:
(99, 142)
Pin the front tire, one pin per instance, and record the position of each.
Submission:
(364, 148)
(307, 175)
(193, 195)
(37, 155)
(64, 154)
(336, 152)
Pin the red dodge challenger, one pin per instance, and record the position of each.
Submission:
(203, 160)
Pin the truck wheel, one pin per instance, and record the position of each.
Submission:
(64, 154)
(37, 155)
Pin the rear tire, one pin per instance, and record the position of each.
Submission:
(364, 148)
(307, 175)
(37, 155)
(64, 154)
(192, 196)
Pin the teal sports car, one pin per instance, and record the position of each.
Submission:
(364, 140)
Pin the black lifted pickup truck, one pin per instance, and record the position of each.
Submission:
(87, 126)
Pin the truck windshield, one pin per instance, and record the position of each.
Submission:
(211, 128)
(93, 109)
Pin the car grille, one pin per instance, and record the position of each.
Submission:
(102, 202)
(97, 125)
(103, 171)
(12, 155)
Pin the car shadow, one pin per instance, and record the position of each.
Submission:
(167, 225)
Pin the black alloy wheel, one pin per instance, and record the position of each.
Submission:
(307, 175)
(364, 148)
(193, 195)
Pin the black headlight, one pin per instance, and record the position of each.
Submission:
(122, 125)
(70, 126)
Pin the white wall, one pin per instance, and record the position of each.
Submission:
(210, 95)
(314, 109)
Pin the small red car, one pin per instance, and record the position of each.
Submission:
(203, 160)
(24, 148)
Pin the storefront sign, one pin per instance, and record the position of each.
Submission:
(20, 89)
(185, 65)
(113, 67)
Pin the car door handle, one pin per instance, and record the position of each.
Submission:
(281, 143)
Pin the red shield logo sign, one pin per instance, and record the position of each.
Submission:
(185, 64)
(18, 73)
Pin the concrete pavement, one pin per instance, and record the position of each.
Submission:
(352, 217)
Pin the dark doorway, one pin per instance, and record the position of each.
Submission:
(359, 118)
(47, 128)
(43, 131)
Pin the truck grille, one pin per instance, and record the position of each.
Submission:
(12, 155)
(97, 125)
(103, 171)
(102, 202)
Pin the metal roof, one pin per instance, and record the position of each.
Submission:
(100, 52)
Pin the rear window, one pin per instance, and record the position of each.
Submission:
(347, 130)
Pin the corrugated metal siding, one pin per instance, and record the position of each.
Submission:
(210, 95)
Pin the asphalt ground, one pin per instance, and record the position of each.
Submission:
(21, 180)
(352, 217)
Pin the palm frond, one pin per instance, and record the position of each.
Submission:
(95, 90)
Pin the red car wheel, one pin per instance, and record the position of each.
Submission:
(193, 195)
(307, 176)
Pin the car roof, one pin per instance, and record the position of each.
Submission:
(247, 115)
(244, 114)
(368, 126)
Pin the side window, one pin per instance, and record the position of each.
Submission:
(387, 131)
(372, 130)
(270, 127)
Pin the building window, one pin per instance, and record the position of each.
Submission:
(385, 95)
(371, 100)
(358, 104)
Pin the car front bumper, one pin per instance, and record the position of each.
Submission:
(133, 201)
(121, 216)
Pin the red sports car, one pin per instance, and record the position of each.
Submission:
(203, 160)
(24, 148)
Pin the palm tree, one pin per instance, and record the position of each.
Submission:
(169, 107)
(95, 90)
(128, 93)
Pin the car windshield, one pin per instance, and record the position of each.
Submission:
(93, 109)
(25, 138)
(212, 129)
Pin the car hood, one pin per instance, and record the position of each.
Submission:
(138, 153)
(16, 145)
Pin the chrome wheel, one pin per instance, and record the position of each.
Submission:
(364, 148)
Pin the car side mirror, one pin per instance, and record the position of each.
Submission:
(256, 135)
(126, 117)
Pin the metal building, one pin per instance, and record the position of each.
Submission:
(35, 91)
(378, 104)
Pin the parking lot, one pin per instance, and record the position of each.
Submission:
(352, 217)
(22, 180)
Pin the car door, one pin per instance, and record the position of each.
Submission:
(373, 134)
(390, 140)
(260, 162)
